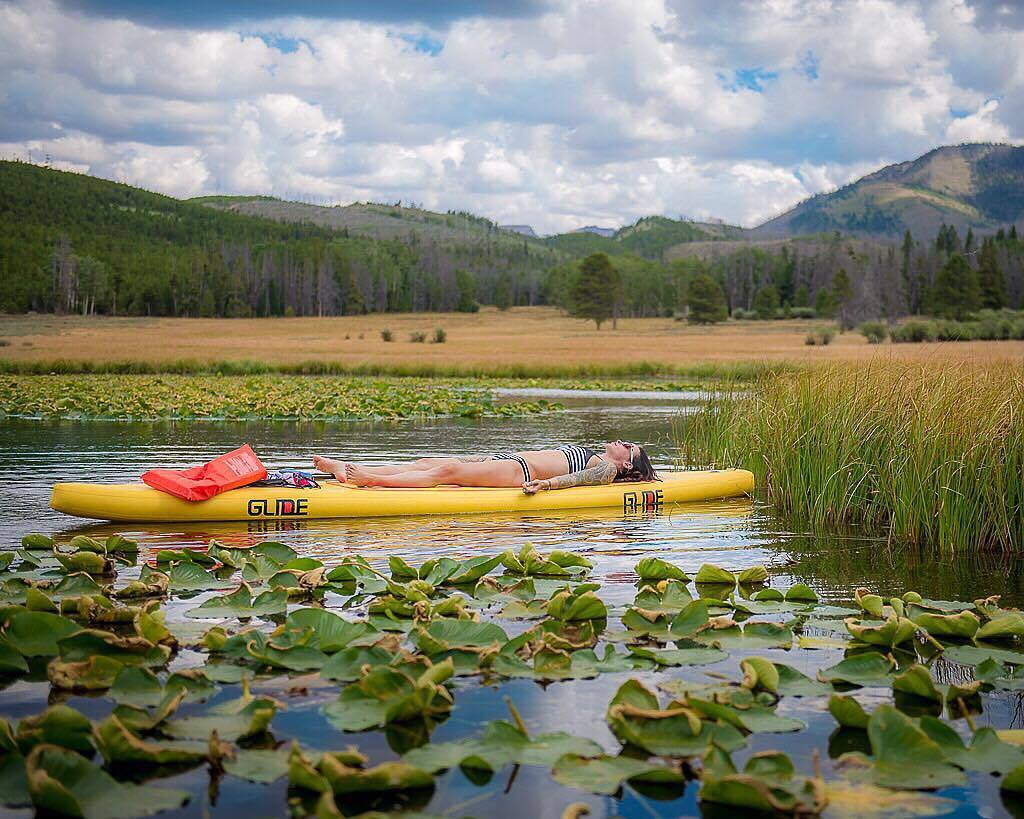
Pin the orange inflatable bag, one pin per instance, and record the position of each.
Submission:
(230, 471)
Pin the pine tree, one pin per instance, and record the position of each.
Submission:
(766, 302)
(823, 305)
(802, 297)
(706, 300)
(503, 291)
(842, 295)
(990, 277)
(595, 289)
(956, 292)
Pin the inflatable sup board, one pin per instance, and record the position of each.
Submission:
(139, 503)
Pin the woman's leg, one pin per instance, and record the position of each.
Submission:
(337, 468)
(483, 473)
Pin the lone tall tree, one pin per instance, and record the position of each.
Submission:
(595, 289)
(706, 300)
(956, 292)
(990, 277)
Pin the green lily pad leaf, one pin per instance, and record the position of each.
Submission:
(568, 665)
(715, 575)
(93, 674)
(57, 725)
(386, 694)
(190, 576)
(141, 688)
(401, 570)
(266, 650)
(917, 681)
(89, 562)
(766, 606)
(653, 569)
(119, 544)
(501, 744)
(754, 718)
(1003, 626)
(605, 774)
(11, 661)
(238, 719)
(692, 619)
(848, 712)
(905, 756)
(987, 753)
(469, 571)
(63, 782)
(752, 636)
(383, 778)
(578, 604)
(635, 717)
(445, 634)
(963, 625)
(226, 673)
(672, 657)
(278, 552)
(668, 597)
(332, 632)
(264, 766)
(888, 633)
(85, 543)
(973, 655)
(88, 643)
(862, 800)
(1013, 782)
(950, 606)
(119, 745)
(989, 672)
(35, 600)
(794, 683)
(801, 593)
(768, 594)
(36, 633)
(861, 669)
(37, 542)
(13, 781)
(347, 665)
(168, 556)
(6, 559)
(768, 784)
(751, 575)
(241, 604)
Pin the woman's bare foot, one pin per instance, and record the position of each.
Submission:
(358, 476)
(334, 467)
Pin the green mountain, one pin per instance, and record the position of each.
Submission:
(977, 186)
(650, 237)
(75, 243)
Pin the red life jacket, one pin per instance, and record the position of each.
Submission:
(230, 471)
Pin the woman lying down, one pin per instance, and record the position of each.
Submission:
(534, 470)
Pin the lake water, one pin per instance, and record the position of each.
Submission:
(734, 534)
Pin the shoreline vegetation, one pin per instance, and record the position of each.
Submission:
(719, 371)
(205, 397)
(933, 452)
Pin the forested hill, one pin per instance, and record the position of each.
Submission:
(649, 237)
(975, 186)
(76, 243)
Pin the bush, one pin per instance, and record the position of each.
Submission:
(743, 315)
(955, 330)
(874, 331)
(440, 336)
(913, 332)
(417, 337)
(802, 312)
(820, 338)
(385, 335)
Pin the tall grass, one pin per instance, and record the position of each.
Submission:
(725, 371)
(934, 452)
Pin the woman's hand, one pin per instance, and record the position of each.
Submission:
(533, 487)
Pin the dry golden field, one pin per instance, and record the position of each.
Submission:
(529, 337)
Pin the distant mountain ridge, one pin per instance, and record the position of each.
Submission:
(978, 186)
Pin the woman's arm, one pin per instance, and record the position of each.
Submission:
(601, 473)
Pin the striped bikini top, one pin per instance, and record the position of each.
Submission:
(577, 456)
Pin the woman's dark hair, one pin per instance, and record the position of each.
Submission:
(641, 469)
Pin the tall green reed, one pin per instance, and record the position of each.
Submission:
(934, 452)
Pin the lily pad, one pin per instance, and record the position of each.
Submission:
(711, 574)
(650, 569)
(905, 756)
(987, 753)
(751, 575)
(62, 781)
(848, 712)
(57, 725)
(1004, 626)
(189, 576)
(37, 633)
(501, 744)
(241, 604)
(264, 766)
(866, 670)
(801, 593)
(605, 774)
(117, 744)
(768, 784)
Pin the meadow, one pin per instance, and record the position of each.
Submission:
(521, 342)
(932, 453)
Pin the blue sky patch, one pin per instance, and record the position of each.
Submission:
(423, 43)
(809, 64)
(752, 79)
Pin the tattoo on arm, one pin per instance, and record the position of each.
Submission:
(602, 473)
(472, 459)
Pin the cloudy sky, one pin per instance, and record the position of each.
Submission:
(550, 113)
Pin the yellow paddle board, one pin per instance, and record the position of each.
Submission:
(138, 502)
